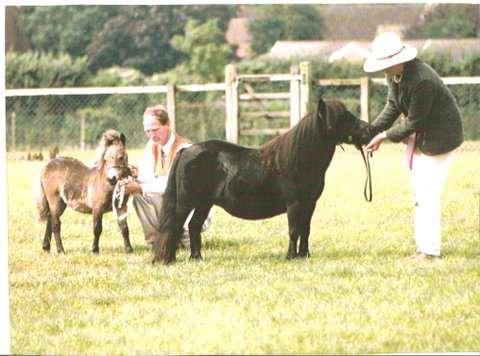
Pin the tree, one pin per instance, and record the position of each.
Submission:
(63, 29)
(133, 36)
(139, 36)
(284, 22)
(448, 21)
(204, 45)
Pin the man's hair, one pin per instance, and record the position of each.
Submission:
(159, 112)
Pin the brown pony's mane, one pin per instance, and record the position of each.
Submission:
(284, 153)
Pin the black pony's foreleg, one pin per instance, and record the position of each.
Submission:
(293, 214)
(305, 231)
(299, 218)
(194, 229)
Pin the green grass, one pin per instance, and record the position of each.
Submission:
(357, 293)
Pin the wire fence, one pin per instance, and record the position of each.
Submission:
(36, 122)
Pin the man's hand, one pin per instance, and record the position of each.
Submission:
(375, 143)
(131, 186)
(133, 170)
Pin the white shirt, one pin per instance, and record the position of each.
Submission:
(147, 178)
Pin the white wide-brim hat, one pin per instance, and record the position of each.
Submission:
(387, 51)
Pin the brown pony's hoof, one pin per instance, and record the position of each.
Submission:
(129, 249)
(165, 261)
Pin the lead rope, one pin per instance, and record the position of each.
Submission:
(367, 190)
(118, 197)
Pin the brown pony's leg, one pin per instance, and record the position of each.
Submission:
(122, 224)
(56, 210)
(48, 235)
(194, 229)
(97, 230)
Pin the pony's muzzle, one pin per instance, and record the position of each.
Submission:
(113, 175)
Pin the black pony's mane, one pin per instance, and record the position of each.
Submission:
(287, 153)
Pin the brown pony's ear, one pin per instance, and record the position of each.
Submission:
(99, 153)
(123, 139)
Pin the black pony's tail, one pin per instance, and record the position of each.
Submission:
(165, 243)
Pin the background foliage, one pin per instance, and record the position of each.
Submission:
(284, 22)
(448, 21)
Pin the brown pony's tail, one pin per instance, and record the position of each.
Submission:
(42, 203)
(165, 244)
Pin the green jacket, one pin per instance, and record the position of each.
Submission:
(429, 107)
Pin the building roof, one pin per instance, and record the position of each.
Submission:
(358, 50)
(361, 21)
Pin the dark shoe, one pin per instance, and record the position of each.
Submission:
(420, 256)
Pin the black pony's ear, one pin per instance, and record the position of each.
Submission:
(327, 116)
(123, 139)
(321, 108)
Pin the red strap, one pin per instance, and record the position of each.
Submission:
(411, 140)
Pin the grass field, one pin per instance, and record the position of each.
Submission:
(357, 293)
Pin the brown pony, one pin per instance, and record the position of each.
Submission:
(66, 181)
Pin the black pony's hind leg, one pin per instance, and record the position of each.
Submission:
(194, 228)
(166, 242)
(48, 235)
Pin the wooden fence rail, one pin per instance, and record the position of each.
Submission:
(299, 96)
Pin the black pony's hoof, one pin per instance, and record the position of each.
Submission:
(96, 250)
(291, 256)
(304, 254)
(46, 249)
(196, 257)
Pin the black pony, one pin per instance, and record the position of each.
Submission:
(286, 174)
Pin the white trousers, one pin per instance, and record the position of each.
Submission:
(428, 178)
(148, 208)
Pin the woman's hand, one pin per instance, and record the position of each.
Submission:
(375, 143)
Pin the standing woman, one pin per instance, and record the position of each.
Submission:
(432, 129)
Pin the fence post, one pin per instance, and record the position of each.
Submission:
(14, 129)
(294, 97)
(365, 99)
(305, 88)
(82, 133)
(171, 90)
(231, 103)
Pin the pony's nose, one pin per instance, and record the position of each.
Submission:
(112, 174)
